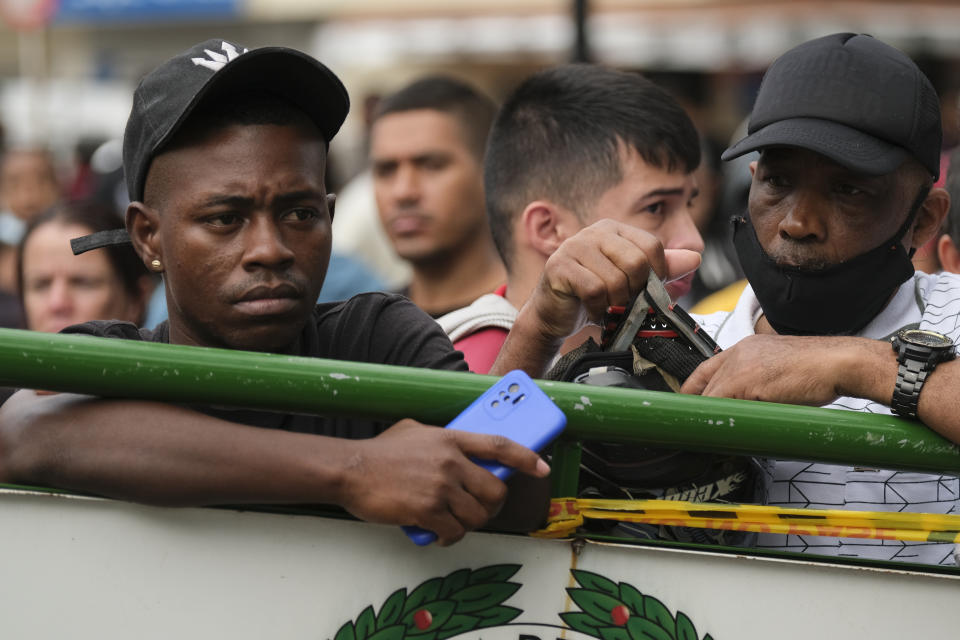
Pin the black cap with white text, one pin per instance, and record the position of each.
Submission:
(209, 71)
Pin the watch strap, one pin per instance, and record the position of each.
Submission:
(911, 374)
(915, 364)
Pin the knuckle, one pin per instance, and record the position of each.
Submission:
(500, 443)
(434, 502)
(498, 494)
(476, 518)
(635, 262)
(447, 464)
(592, 290)
(558, 256)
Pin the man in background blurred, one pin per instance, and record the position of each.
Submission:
(28, 187)
(28, 182)
(426, 151)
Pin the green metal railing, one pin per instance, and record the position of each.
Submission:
(129, 369)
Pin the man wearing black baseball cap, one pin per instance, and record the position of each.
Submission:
(848, 131)
(224, 155)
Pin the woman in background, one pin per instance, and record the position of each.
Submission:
(59, 289)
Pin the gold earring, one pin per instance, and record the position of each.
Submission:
(156, 265)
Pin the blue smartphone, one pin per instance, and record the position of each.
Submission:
(514, 407)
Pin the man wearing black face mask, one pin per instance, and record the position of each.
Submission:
(849, 136)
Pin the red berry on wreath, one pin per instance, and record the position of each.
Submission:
(620, 615)
(423, 619)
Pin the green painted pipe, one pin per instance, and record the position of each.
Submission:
(128, 369)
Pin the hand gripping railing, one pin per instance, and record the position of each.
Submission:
(129, 369)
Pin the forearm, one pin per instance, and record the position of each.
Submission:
(873, 375)
(863, 368)
(526, 348)
(162, 454)
(939, 406)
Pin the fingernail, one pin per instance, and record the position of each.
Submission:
(542, 468)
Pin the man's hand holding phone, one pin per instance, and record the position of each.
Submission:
(513, 413)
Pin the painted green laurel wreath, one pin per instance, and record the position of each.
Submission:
(620, 612)
(440, 607)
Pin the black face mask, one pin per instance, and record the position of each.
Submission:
(839, 300)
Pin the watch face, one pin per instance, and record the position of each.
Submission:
(923, 338)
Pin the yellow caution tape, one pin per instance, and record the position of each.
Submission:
(567, 514)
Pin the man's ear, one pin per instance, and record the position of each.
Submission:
(930, 217)
(546, 225)
(331, 204)
(143, 227)
(948, 253)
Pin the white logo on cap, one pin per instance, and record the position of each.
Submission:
(218, 61)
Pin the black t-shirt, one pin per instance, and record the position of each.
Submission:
(371, 327)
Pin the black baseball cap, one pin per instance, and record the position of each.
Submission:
(850, 97)
(212, 70)
(167, 96)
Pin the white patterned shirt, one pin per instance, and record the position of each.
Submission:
(928, 301)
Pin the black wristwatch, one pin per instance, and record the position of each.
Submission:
(918, 352)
